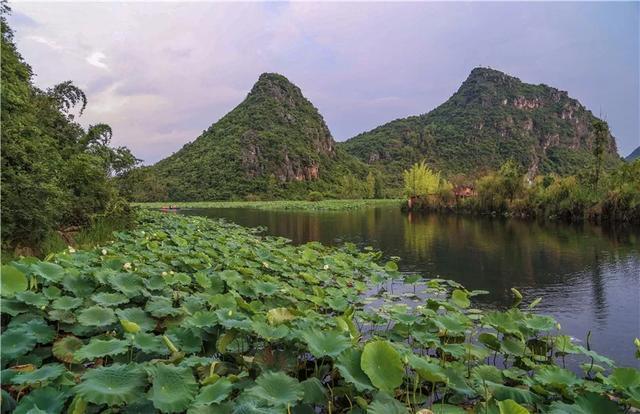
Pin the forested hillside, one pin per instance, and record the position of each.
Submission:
(274, 144)
(54, 172)
(492, 118)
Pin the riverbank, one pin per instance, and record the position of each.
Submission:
(302, 205)
(206, 314)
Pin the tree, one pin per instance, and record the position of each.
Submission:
(420, 180)
(371, 185)
(601, 134)
(510, 179)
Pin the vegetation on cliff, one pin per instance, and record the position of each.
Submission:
(274, 144)
(492, 118)
(186, 314)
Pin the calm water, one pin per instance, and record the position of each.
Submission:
(589, 277)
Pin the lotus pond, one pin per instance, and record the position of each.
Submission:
(188, 314)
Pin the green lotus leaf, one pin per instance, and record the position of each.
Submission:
(511, 407)
(113, 385)
(624, 378)
(13, 307)
(43, 332)
(109, 299)
(203, 319)
(65, 348)
(460, 298)
(214, 393)
(490, 340)
(66, 303)
(448, 409)
(314, 391)
(149, 343)
(137, 316)
(270, 332)
(48, 400)
(223, 408)
(266, 288)
(277, 316)
(129, 284)
(51, 292)
(173, 388)
(32, 298)
(186, 339)
(589, 403)
(540, 322)
(50, 271)
(348, 364)
(7, 403)
(232, 319)
(383, 365)
(520, 395)
(386, 404)
(427, 370)
(43, 374)
(96, 316)
(97, 348)
(161, 307)
(62, 316)
(326, 343)
(337, 303)
(277, 389)
(391, 266)
(80, 286)
(12, 281)
(484, 373)
(16, 342)
(556, 377)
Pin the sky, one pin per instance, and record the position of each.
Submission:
(161, 73)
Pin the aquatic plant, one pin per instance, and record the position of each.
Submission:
(187, 314)
(301, 205)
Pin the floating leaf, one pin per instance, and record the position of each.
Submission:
(49, 271)
(137, 316)
(326, 343)
(511, 407)
(214, 393)
(32, 298)
(47, 400)
(382, 364)
(96, 316)
(66, 303)
(13, 281)
(589, 403)
(279, 315)
(149, 343)
(65, 348)
(278, 389)
(173, 388)
(114, 385)
(43, 374)
(16, 342)
(98, 348)
(109, 299)
(460, 298)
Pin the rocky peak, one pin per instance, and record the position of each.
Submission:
(277, 87)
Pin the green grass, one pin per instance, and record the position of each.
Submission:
(324, 205)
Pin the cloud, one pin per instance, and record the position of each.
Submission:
(166, 71)
(97, 59)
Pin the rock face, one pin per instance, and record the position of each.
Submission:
(273, 138)
(493, 117)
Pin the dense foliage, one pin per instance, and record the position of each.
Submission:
(612, 197)
(635, 154)
(54, 173)
(189, 314)
(300, 205)
(492, 118)
(273, 145)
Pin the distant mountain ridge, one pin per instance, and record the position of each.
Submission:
(274, 141)
(635, 154)
(492, 117)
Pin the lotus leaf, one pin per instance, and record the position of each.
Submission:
(66, 303)
(16, 342)
(382, 364)
(49, 271)
(43, 374)
(277, 316)
(65, 348)
(511, 407)
(32, 298)
(173, 388)
(214, 393)
(137, 316)
(277, 389)
(113, 385)
(326, 343)
(98, 348)
(589, 403)
(96, 316)
(13, 281)
(109, 299)
(48, 400)
(348, 364)
(149, 343)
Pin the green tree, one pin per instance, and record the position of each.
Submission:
(601, 136)
(420, 180)
(371, 185)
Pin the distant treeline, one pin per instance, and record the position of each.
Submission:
(596, 195)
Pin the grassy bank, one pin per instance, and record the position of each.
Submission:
(190, 314)
(324, 205)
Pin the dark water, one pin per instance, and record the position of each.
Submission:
(588, 276)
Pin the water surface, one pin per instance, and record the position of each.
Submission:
(588, 276)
